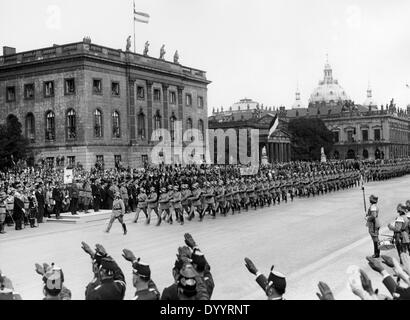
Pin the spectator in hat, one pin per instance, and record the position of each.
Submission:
(141, 278)
(53, 278)
(373, 224)
(3, 211)
(74, 195)
(200, 264)
(274, 286)
(40, 197)
(7, 290)
(112, 282)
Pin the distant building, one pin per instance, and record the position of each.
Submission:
(360, 131)
(249, 114)
(91, 103)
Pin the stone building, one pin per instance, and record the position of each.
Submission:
(249, 114)
(90, 103)
(360, 131)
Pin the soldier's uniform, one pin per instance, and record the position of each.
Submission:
(228, 196)
(170, 196)
(164, 204)
(220, 197)
(209, 201)
(400, 229)
(177, 206)
(143, 272)
(244, 195)
(195, 200)
(186, 194)
(373, 224)
(118, 211)
(152, 203)
(142, 205)
(112, 286)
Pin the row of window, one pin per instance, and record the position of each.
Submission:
(71, 125)
(70, 89)
(49, 89)
(351, 135)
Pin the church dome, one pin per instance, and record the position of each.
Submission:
(245, 104)
(329, 90)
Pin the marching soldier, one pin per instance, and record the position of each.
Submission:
(195, 201)
(373, 224)
(142, 206)
(243, 194)
(152, 202)
(177, 206)
(118, 211)
(186, 204)
(164, 205)
(220, 197)
(209, 201)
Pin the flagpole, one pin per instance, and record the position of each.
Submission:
(133, 15)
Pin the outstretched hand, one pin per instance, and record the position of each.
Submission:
(325, 292)
(87, 249)
(189, 240)
(39, 269)
(251, 266)
(100, 250)
(184, 254)
(375, 264)
(128, 255)
(366, 283)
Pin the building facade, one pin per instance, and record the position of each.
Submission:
(248, 114)
(90, 103)
(361, 131)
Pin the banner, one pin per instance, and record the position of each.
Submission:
(68, 176)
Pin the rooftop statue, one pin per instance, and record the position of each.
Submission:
(146, 48)
(128, 43)
(176, 57)
(162, 52)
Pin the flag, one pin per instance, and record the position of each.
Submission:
(141, 16)
(273, 125)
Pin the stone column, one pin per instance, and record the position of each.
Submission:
(180, 103)
(131, 112)
(149, 109)
(165, 103)
(276, 151)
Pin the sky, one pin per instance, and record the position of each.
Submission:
(259, 49)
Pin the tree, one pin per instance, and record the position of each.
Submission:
(13, 146)
(308, 137)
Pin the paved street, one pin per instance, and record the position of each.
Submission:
(309, 240)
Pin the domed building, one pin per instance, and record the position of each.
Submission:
(329, 91)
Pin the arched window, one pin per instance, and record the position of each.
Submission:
(201, 129)
(189, 126)
(157, 123)
(141, 125)
(116, 131)
(98, 128)
(50, 126)
(30, 127)
(71, 124)
(172, 127)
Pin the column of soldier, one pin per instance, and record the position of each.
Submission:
(172, 192)
(193, 280)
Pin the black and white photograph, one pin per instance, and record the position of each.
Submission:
(212, 150)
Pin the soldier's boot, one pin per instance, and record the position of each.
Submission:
(33, 223)
(376, 250)
(148, 218)
(2, 228)
(159, 219)
(124, 228)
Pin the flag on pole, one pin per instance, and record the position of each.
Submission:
(273, 125)
(141, 16)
